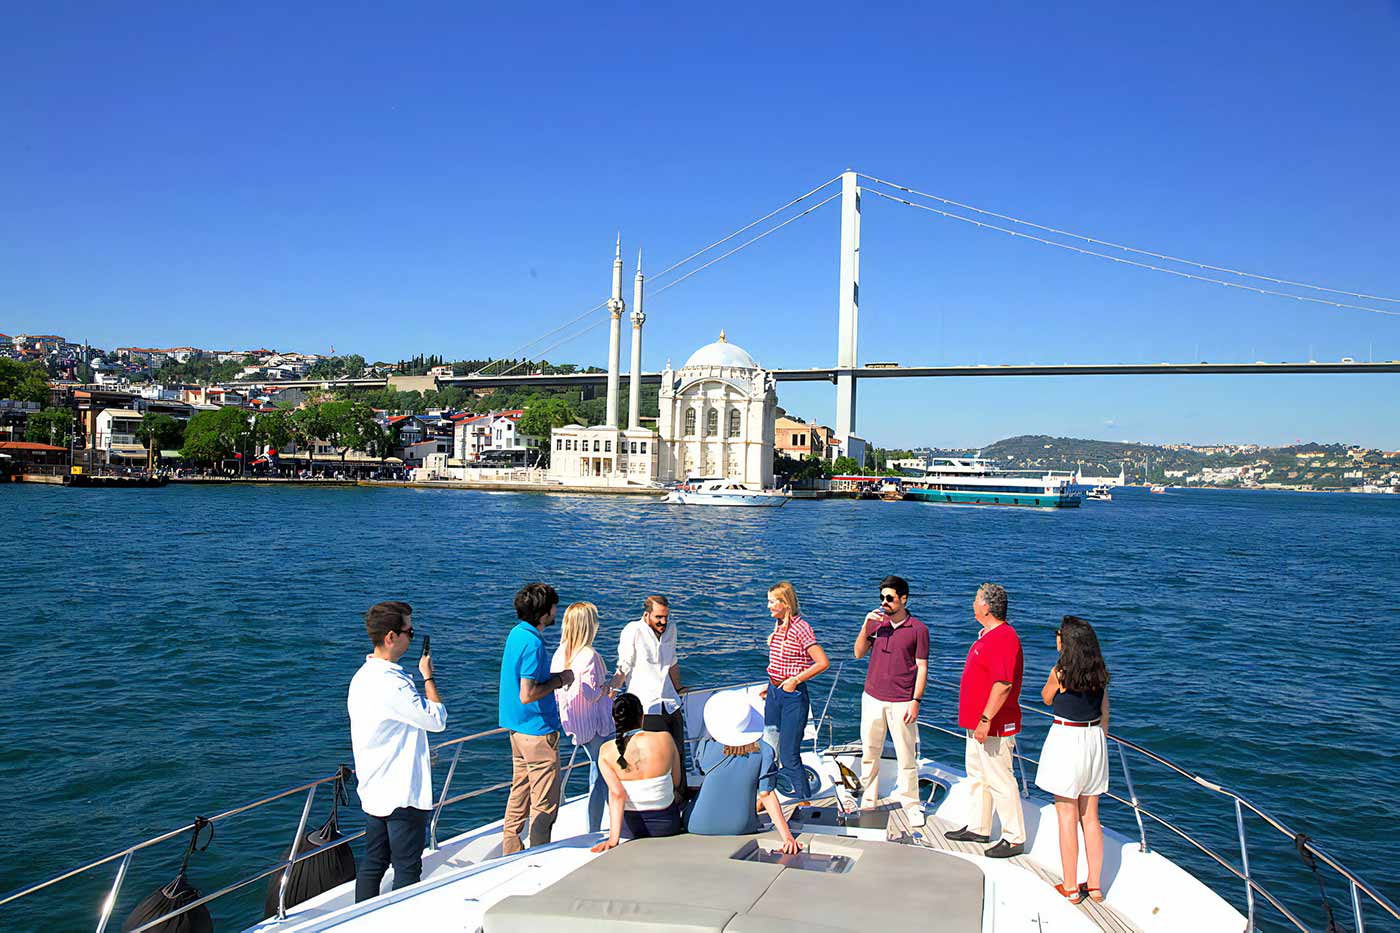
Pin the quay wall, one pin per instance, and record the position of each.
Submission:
(518, 487)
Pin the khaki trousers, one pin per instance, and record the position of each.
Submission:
(992, 786)
(534, 790)
(877, 717)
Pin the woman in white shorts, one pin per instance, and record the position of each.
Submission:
(1074, 760)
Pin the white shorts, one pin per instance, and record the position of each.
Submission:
(1074, 762)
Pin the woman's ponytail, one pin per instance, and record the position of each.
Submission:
(627, 716)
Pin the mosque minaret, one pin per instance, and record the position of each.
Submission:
(717, 415)
(615, 308)
(634, 383)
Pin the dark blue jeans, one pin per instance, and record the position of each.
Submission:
(788, 712)
(395, 839)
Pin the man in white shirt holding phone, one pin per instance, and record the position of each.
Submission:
(389, 725)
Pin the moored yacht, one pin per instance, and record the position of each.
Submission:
(859, 869)
(725, 492)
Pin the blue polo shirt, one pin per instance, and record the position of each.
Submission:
(525, 656)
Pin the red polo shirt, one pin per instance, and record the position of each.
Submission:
(892, 671)
(994, 656)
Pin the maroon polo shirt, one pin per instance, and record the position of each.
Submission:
(893, 652)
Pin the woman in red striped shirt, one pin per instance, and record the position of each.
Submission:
(794, 657)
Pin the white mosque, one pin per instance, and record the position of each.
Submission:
(717, 416)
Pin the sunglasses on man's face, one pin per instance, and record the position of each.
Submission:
(887, 598)
(404, 631)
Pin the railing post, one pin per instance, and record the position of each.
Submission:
(1244, 861)
(1132, 795)
(437, 810)
(816, 733)
(1021, 766)
(568, 773)
(111, 902)
(1356, 908)
(296, 844)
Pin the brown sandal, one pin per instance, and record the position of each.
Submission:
(1073, 895)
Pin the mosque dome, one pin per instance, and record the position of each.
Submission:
(722, 353)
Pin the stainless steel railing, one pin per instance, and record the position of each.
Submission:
(284, 866)
(1242, 872)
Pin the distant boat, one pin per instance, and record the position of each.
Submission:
(724, 492)
(1101, 493)
(977, 481)
(893, 492)
(1159, 490)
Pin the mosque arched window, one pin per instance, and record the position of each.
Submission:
(711, 423)
(607, 447)
(734, 423)
(690, 422)
(595, 447)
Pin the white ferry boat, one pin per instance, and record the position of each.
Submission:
(859, 870)
(977, 481)
(725, 492)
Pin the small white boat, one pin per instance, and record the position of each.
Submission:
(1159, 490)
(726, 492)
(1101, 493)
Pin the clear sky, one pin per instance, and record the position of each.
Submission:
(449, 178)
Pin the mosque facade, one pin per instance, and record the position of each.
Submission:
(716, 420)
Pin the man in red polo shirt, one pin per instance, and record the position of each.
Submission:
(990, 711)
(894, 685)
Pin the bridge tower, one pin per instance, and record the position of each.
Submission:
(849, 313)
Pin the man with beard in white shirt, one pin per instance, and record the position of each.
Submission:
(647, 665)
(389, 725)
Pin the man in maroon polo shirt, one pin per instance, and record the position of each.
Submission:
(894, 686)
(990, 711)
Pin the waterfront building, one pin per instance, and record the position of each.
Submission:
(471, 436)
(799, 440)
(718, 413)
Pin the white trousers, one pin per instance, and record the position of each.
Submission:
(992, 786)
(876, 718)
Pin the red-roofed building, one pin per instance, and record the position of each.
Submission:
(19, 454)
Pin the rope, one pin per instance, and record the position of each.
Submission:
(671, 268)
(200, 824)
(1128, 262)
(1300, 842)
(1129, 249)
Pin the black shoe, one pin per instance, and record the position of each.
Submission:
(1004, 849)
(965, 835)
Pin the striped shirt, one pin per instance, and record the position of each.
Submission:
(584, 705)
(787, 649)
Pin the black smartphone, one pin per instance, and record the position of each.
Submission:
(427, 642)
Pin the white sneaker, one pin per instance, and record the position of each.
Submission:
(916, 817)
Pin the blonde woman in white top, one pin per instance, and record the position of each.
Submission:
(585, 706)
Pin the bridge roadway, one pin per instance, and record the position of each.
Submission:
(562, 380)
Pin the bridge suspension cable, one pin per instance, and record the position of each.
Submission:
(1128, 249)
(676, 265)
(1128, 262)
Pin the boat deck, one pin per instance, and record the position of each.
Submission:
(930, 836)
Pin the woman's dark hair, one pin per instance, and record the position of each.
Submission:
(535, 600)
(627, 715)
(1081, 663)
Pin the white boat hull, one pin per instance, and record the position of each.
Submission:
(759, 500)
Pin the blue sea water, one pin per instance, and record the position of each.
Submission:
(182, 650)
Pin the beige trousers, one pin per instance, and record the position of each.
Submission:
(534, 790)
(992, 786)
(876, 718)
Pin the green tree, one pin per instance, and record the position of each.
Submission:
(215, 435)
(50, 426)
(348, 425)
(159, 432)
(273, 429)
(846, 466)
(24, 382)
(543, 414)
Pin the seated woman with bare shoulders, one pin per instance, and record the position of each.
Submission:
(643, 772)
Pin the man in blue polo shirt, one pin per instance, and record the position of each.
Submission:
(531, 713)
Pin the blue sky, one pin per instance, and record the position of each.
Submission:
(449, 178)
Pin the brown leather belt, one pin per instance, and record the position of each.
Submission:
(1077, 725)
